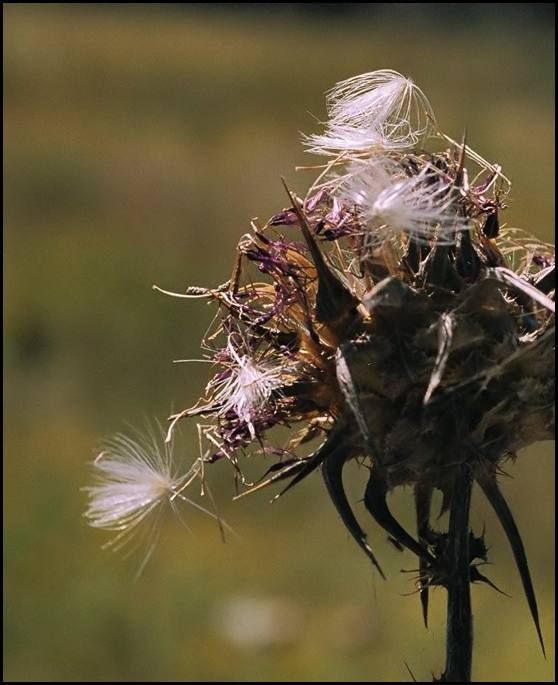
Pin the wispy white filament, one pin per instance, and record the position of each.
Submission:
(248, 389)
(375, 112)
(421, 206)
(135, 482)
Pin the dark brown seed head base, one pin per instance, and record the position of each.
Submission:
(416, 354)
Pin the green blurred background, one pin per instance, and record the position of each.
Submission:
(139, 142)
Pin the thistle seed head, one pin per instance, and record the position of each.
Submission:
(390, 312)
(444, 339)
(393, 313)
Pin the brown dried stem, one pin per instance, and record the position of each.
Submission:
(459, 645)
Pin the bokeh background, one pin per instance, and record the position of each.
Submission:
(139, 141)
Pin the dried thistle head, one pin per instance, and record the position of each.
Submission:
(391, 313)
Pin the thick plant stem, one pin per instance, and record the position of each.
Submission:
(459, 646)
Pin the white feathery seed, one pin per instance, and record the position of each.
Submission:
(249, 387)
(375, 112)
(135, 481)
(422, 206)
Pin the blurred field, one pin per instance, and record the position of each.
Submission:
(138, 145)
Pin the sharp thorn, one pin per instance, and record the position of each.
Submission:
(494, 495)
(314, 460)
(423, 502)
(478, 577)
(290, 470)
(332, 471)
(376, 503)
(333, 300)
(458, 182)
(410, 672)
